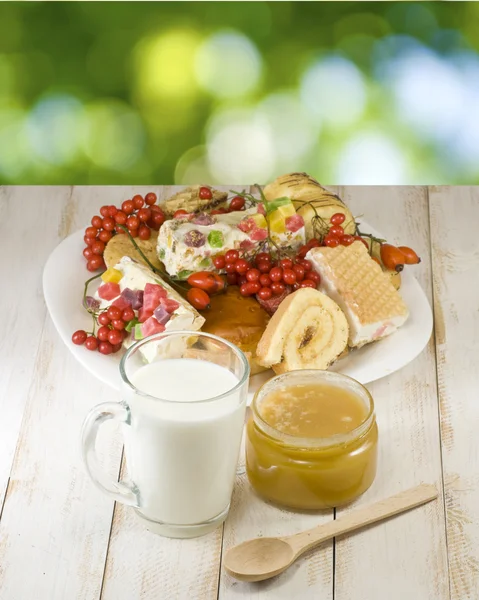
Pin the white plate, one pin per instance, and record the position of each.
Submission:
(65, 274)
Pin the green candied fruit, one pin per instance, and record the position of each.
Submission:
(206, 262)
(161, 253)
(138, 334)
(184, 274)
(131, 324)
(272, 205)
(216, 239)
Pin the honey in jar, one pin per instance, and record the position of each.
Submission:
(311, 440)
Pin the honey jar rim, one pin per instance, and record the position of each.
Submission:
(314, 442)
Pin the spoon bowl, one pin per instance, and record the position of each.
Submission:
(259, 559)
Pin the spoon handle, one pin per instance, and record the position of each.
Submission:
(360, 517)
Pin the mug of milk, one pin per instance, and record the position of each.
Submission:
(183, 415)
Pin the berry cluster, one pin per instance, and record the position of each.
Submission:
(111, 333)
(139, 215)
(263, 275)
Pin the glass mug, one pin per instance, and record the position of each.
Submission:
(183, 408)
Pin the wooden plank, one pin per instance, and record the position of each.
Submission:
(311, 577)
(405, 557)
(454, 219)
(31, 226)
(154, 567)
(55, 525)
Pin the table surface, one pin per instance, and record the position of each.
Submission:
(61, 539)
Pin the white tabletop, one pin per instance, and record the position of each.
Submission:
(61, 539)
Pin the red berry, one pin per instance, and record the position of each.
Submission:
(144, 232)
(313, 243)
(128, 314)
(338, 218)
(308, 283)
(150, 198)
(241, 279)
(115, 337)
(277, 288)
(133, 222)
(91, 343)
(114, 312)
(303, 251)
(276, 274)
(120, 217)
(144, 214)
(331, 242)
(253, 275)
(263, 256)
(346, 240)
(289, 276)
(296, 286)
(105, 347)
(102, 333)
(299, 270)
(98, 247)
(314, 276)
(336, 231)
(157, 219)
(128, 207)
(181, 212)
(263, 266)
(219, 261)
(205, 193)
(103, 318)
(254, 286)
(265, 293)
(237, 203)
(306, 264)
(91, 232)
(241, 265)
(245, 290)
(79, 337)
(264, 280)
(105, 211)
(87, 252)
(230, 267)
(95, 262)
(112, 210)
(108, 224)
(286, 263)
(105, 236)
(231, 278)
(138, 201)
(96, 221)
(115, 348)
(231, 256)
(118, 324)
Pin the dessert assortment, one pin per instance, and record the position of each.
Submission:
(284, 272)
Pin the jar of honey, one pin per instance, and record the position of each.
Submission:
(311, 440)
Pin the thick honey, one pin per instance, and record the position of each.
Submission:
(311, 440)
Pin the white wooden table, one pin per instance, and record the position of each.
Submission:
(61, 539)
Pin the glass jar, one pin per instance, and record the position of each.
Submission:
(311, 473)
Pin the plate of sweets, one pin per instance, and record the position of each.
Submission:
(287, 274)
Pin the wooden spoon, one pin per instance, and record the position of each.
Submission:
(263, 558)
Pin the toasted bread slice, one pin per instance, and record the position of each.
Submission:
(372, 305)
(120, 245)
(308, 331)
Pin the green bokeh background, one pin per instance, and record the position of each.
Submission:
(235, 92)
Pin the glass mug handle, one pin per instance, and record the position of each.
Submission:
(126, 493)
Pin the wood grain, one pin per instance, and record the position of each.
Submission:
(454, 219)
(407, 555)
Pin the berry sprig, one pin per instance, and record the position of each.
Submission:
(111, 333)
(139, 215)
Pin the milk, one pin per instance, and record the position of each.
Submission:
(182, 453)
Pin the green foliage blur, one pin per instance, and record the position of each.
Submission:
(239, 92)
